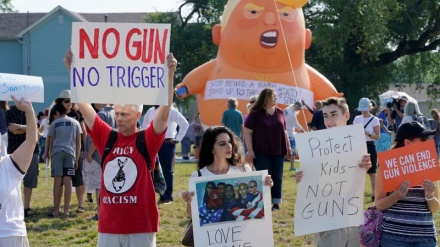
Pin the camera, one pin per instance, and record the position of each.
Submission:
(391, 102)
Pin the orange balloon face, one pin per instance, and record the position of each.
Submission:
(256, 34)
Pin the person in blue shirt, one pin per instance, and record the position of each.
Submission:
(232, 118)
(383, 116)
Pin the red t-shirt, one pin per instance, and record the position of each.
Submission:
(127, 202)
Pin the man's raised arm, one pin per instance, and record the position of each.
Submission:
(87, 110)
(161, 117)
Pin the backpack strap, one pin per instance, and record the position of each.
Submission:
(112, 138)
(198, 172)
(365, 126)
(141, 145)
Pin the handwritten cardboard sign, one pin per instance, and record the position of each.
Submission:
(121, 63)
(30, 88)
(384, 142)
(331, 192)
(232, 210)
(243, 89)
(414, 163)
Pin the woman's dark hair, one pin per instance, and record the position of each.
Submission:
(262, 99)
(4, 105)
(208, 140)
(435, 115)
(94, 107)
(56, 108)
(206, 196)
(60, 101)
(401, 143)
(39, 115)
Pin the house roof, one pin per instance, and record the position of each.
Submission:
(115, 17)
(13, 25)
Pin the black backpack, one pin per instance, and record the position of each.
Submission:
(156, 175)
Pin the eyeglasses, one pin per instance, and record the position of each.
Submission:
(66, 101)
(252, 187)
(251, 102)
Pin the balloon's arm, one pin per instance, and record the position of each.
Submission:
(318, 81)
(195, 80)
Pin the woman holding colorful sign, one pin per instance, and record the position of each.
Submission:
(408, 211)
(219, 154)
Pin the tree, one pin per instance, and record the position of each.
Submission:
(6, 6)
(202, 11)
(362, 45)
(191, 44)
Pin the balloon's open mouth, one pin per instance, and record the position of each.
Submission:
(269, 39)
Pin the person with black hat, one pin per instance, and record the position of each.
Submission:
(397, 113)
(408, 211)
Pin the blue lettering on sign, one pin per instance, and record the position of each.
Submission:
(92, 76)
(19, 88)
(147, 77)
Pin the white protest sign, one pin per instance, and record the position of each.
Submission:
(243, 89)
(30, 88)
(121, 63)
(331, 192)
(232, 210)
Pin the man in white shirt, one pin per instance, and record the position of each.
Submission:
(292, 125)
(168, 148)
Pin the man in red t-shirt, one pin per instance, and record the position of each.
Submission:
(128, 214)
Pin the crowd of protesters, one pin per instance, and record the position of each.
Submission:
(72, 141)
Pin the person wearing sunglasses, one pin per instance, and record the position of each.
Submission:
(408, 211)
(77, 180)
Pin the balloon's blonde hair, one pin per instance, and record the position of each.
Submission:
(230, 6)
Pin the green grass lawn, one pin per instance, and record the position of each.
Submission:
(76, 230)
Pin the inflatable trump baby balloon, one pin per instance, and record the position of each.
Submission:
(261, 45)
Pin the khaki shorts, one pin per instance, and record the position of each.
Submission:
(16, 241)
(344, 237)
(93, 177)
(127, 240)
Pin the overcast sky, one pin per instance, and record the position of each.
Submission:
(96, 6)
